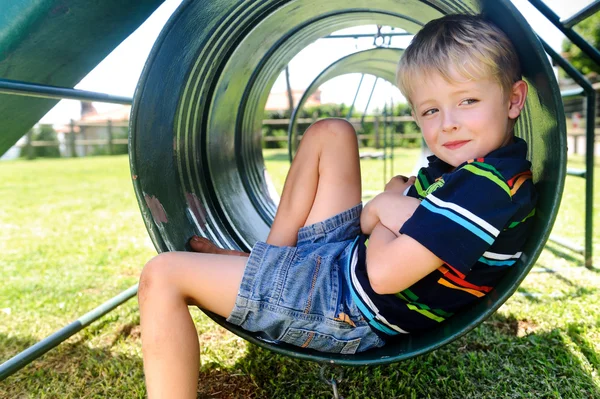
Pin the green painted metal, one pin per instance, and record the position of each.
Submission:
(58, 93)
(57, 42)
(576, 172)
(583, 14)
(364, 35)
(196, 155)
(573, 36)
(380, 62)
(590, 124)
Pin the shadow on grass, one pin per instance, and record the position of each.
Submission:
(536, 297)
(564, 253)
(557, 275)
(575, 332)
(530, 296)
(503, 358)
(73, 370)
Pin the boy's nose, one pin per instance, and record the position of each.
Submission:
(449, 124)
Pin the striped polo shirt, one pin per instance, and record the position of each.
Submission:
(476, 218)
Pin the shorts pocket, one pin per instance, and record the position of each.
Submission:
(320, 342)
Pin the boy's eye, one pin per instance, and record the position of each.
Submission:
(469, 101)
(430, 111)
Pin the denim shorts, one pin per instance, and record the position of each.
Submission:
(300, 296)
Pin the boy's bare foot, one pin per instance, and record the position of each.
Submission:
(205, 246)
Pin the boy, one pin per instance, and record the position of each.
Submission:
(436, 242)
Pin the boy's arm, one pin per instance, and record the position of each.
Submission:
(389, 208)
(396, 263)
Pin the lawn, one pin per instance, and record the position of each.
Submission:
(71, 237)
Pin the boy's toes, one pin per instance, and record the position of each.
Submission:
(203, 245)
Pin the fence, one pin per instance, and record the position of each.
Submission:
(95, 135)
(102, 135)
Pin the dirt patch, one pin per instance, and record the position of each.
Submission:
(129, 331)
(512, 326)
(220, 384)
(526, 327)
(217, 335)
(506, 326)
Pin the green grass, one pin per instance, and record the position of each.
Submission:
(71, 237)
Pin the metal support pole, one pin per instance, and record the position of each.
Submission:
(110, 136)
(72, 148)
(573, 36)
(33, 352)
(334, 381)
(376, 131)
(392, 130)
(28, 145)
(589, 177)
(58, 93)
(590, 94)
(364, 35)
(362, 120)
(583, 14)
(384, 144)
(349, 115)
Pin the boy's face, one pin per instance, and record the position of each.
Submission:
(465, 119)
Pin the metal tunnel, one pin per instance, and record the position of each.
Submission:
(380, 62)
(195, 138)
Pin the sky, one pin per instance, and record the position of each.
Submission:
(119, 72)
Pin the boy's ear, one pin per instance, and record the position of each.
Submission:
(517, 98)
(412, 113)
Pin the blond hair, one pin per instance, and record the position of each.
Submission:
(468, 44)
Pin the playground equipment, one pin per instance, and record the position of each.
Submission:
(197, 155)
(195, 140)
(380, 62)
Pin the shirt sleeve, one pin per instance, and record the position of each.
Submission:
(462, 217)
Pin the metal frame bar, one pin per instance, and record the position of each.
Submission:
(13, 87)
(573, 36)
(33, 352)
(362, 120)
(385, 143)
(583, 14)
(391, 138)
(566, 28)
(590, 94)
(58, 93)
(364, 35)
(349, 115)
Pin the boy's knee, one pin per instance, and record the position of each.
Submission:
(154, 274)
(331, 129)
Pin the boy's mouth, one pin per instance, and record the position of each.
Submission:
(454, 145)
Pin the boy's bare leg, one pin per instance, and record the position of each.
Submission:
(169, 284)
(323, 180)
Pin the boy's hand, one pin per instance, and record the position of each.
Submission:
(389, 208)
(399, 183)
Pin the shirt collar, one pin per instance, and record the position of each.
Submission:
(516, 149)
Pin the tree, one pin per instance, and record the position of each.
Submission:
(590, 30)
(45, 133)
